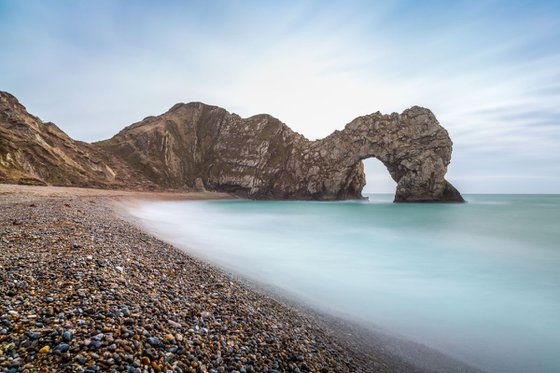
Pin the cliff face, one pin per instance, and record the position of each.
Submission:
(200, 146)
(413, 146)
(260, 157)
(228, 153)
(33, 152)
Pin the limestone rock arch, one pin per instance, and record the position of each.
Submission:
(413, 146)
(262, 158)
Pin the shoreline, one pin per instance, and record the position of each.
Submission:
(363, 339)
(117, 194)
(86, 290)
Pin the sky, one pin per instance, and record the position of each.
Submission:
(489, 70)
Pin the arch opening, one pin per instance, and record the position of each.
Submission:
(377, 178)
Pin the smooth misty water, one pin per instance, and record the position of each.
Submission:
(478, 281)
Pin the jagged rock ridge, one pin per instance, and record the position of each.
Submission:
(202, 146)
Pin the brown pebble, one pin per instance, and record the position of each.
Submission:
(45, 350)
(156, 367)
(169, 337)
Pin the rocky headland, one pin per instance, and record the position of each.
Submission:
(202, 147)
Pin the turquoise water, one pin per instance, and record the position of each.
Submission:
(478, 281)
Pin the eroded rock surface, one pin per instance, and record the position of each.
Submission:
(198, 146)
(262, 158)
(39, 153)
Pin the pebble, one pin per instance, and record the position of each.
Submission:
(67, 336)
(154, 341)
(63, 347)
(45, 350)
(169, 337)
(125, 311)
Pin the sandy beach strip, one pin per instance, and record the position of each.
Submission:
(84, 290)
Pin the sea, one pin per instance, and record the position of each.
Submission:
(478, 281)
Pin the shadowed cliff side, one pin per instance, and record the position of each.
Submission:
(260, 157)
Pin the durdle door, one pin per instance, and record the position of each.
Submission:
(262, 158)
(198, 146)
(413, 146)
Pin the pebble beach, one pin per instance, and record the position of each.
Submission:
(83, 290)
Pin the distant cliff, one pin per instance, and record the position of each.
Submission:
(197, 145)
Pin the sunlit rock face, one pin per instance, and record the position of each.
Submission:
(39, 153)
(260, 157)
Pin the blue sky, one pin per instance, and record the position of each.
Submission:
(489, 70)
